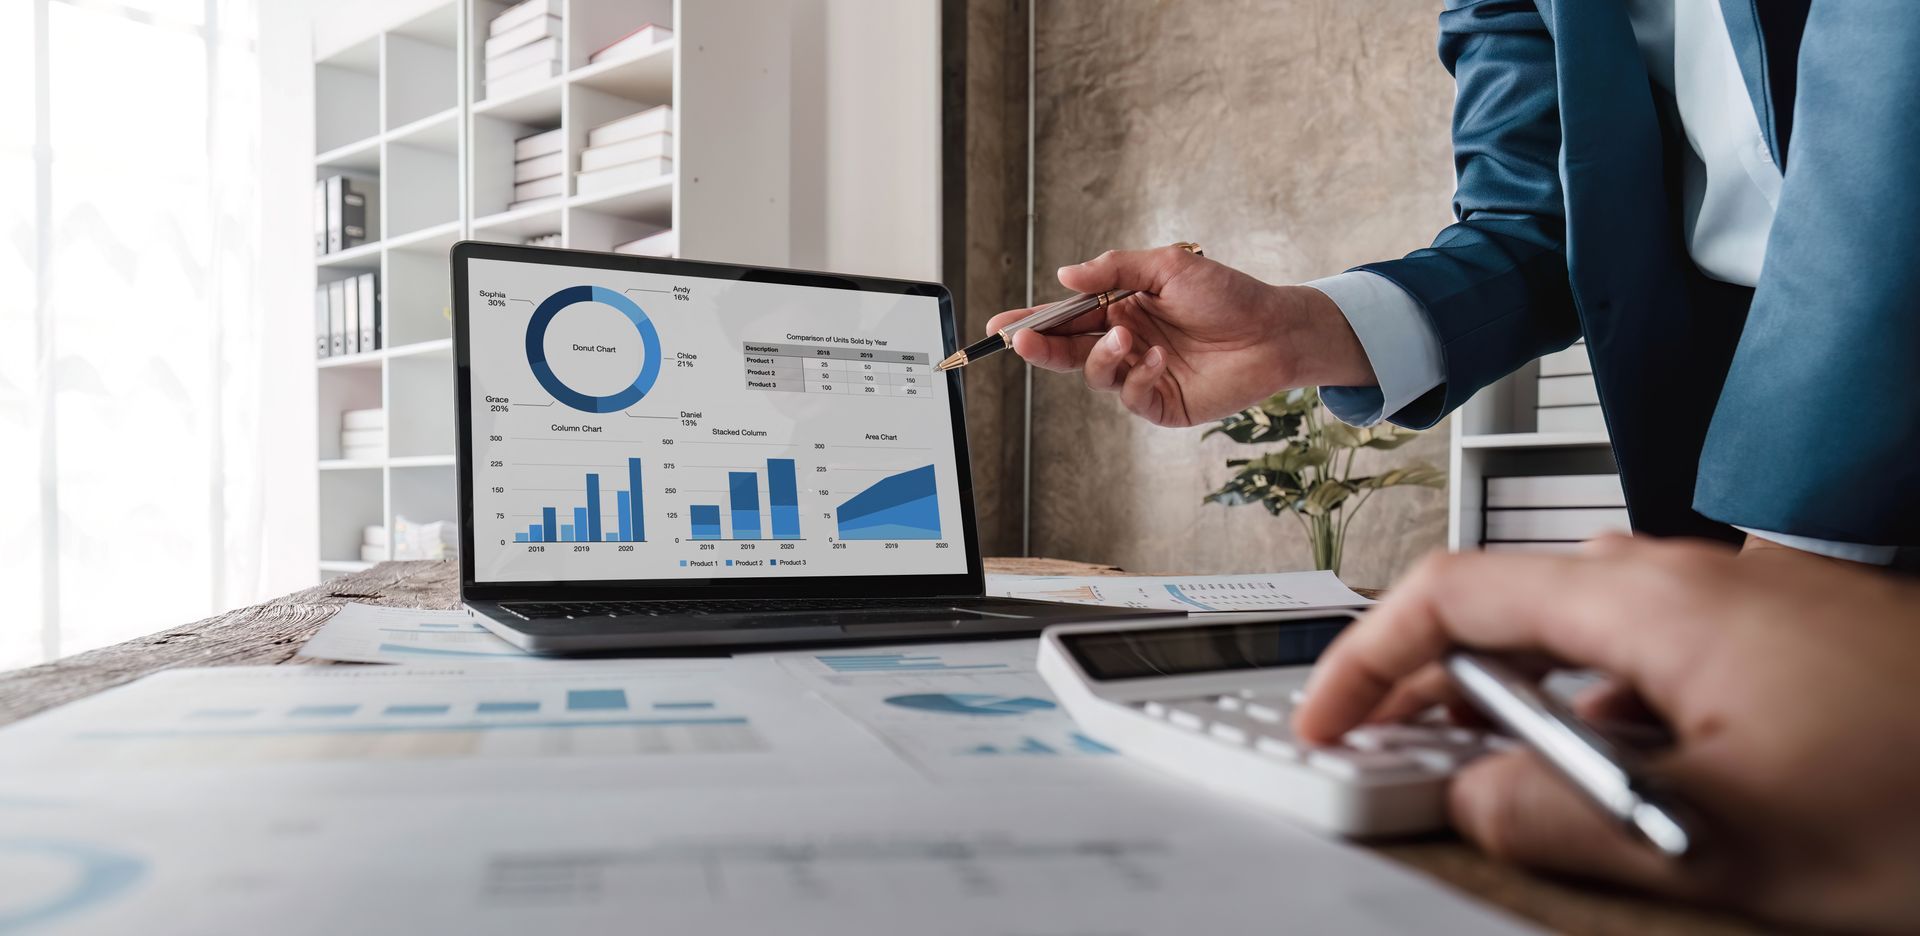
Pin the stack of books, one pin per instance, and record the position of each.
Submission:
(664, 244)
(523, 48)
(346, 315)
(363, 437)
(544, 240)
(627, 151)
(373, 544)
(1552, 513)
(340, 213)
(633, 43)
(539, 168)
(1568, 400)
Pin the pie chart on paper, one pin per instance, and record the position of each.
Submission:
(970, 703)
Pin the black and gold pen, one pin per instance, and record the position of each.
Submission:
(1043, 318)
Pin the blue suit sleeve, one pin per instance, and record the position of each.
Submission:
(1494, 284)
(1817, 432)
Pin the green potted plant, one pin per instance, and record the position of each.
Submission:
(1310, 477)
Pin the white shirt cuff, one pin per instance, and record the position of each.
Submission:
(1852, 552)
(1398, 341)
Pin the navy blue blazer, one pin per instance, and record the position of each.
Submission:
(1792, 407)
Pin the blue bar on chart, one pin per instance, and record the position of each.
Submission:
(625, 507)
(505, 708)
(549, 524)
(639, 532)
(533, 535)
(706, 521)
(783, 498)
(417, 710)
(596, 700)
(592, 511)
(323, 711)
(902, 506)
(681, 706)
(744, 497)
(566, 532)
(520, 537)
(580, 527)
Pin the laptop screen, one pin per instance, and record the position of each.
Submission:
(630, 425)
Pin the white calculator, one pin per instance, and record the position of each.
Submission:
(1210, 701)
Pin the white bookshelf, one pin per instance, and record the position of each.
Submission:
(1494, 436)
(407, 109)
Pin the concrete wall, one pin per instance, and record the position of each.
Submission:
(1292, 138)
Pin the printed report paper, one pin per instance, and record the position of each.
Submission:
(361, 633)
(1265, 591)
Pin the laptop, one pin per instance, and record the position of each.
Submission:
(659, 453)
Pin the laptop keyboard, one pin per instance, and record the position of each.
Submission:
(548, 610)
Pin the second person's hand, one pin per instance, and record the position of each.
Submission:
(1197, 340)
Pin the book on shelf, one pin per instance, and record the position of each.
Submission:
(1566, 524)
(322, 323)
(350, 316)
(607, 155)
(543, 240)
(539, 167)
(1590, 490)
(364, 453)
(652, 120)
(547, 201)
(527, 56)
(520, 13)
(539, 188)
(363, 438)
(1569, 360)
(363, 419)
(368, 285)
(525, 79)
(321, 222)
(664, 244)
(1568, 390)
(337, 317)
(646, 37)
(623, 175)
(533, 30)
(539, 144)
(1570, 419)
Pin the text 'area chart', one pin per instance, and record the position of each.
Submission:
(645, 426)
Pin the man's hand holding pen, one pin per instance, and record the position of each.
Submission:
(1197, 340)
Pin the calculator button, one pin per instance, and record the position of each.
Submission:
(1359, 765)
(1230, 733)
(1182, 718)
(1231, 703)
(1439, 760)
(1154, 709)
(1260, 711)
(1277, 748)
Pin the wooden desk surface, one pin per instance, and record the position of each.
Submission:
(269, 634)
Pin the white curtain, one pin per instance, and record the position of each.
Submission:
(130, 493)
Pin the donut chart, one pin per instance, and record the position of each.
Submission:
(551, 382)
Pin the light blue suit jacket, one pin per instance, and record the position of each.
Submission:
(1793, 407)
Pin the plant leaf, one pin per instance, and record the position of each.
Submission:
(1418, 474)
(1325, 498)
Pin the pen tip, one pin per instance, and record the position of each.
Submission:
(953, 360)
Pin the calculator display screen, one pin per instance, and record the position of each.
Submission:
(1191, 650)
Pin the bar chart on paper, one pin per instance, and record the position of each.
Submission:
(191, 717)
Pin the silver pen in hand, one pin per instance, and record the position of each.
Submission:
(1605, 773)
(1043, 318)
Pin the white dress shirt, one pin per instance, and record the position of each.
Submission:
(1731, 187)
